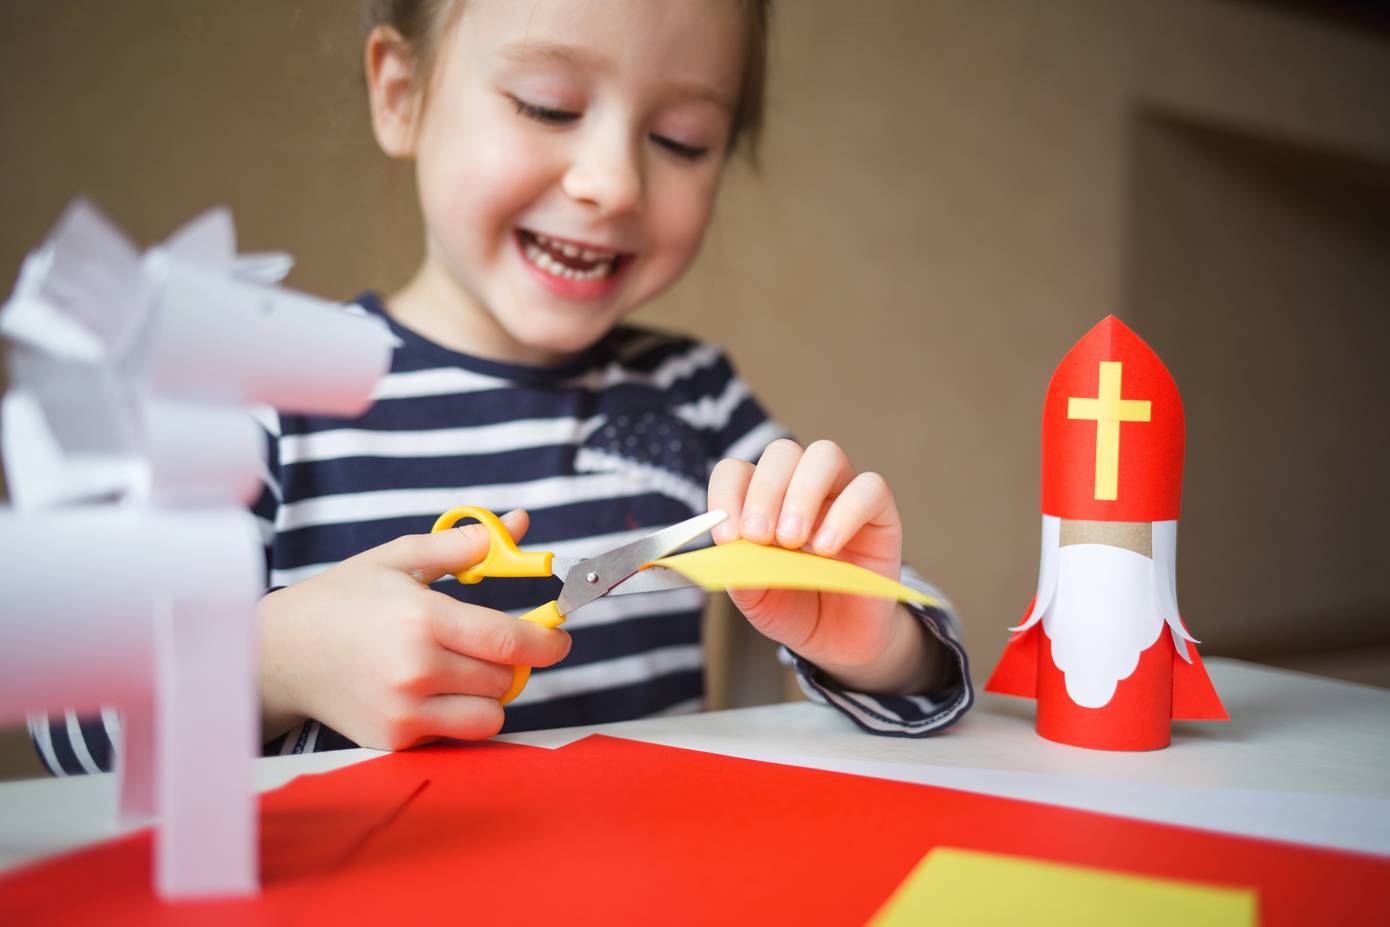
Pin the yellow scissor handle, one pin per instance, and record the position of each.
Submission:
(503, 558)
(548, 615)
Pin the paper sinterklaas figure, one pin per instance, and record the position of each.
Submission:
(1102, 647)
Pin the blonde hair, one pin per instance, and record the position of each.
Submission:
(422, 24)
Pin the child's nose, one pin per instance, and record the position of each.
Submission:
(607, 174)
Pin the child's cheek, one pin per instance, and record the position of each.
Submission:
(684, 210)
(486, 187)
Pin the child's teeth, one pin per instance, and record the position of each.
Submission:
(598, 270)
(603, 264)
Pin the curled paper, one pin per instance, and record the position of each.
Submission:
(745, 565)
(220, 338)
(75, 433)
(82, 295)
(129, 370)
(69, 434)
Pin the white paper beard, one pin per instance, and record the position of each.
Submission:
(1101, 619)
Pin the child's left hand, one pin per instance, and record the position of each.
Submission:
(796, 497)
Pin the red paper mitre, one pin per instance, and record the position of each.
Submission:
(1143, 468)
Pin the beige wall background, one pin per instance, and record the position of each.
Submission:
(951, 194)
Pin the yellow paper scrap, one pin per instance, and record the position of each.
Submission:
(966, 888)
(745, 565)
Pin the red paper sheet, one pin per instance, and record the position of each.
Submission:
(309, 827)
(611, 831)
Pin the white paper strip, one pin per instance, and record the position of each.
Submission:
(80, 590)
(200, 454)
(1047, 571)
(219, 338)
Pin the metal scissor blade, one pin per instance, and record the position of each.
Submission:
(652, 579)
(597, 576)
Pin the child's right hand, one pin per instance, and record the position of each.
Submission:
(367, 647)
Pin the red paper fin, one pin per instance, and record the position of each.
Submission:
(1194, 697)
(1017, 672)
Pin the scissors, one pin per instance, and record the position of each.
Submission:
(614, 572)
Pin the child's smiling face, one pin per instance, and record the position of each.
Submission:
(568, 157)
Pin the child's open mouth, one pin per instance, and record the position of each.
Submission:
(568, 260)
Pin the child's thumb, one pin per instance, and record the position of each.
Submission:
(426, 557)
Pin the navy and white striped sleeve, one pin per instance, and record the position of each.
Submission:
(902, 715)
(265, 510)
(267, 503)
(69, 744)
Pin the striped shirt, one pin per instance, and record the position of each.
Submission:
(604, 449)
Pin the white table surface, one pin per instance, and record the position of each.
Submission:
(1305, 759)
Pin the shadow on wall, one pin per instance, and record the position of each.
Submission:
(1257, 268)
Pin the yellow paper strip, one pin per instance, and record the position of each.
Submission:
(745, 565)
(965, 888)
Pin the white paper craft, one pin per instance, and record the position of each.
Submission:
(131, 569)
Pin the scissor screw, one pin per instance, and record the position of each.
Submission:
(590, 577)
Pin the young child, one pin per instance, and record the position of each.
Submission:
(567, 157)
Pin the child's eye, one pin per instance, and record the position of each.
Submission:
(688, 152)
(545, 114)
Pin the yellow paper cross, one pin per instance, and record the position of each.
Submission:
(1107, 410)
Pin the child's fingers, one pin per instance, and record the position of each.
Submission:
(427, 557)
(762, 505)
(749, 601)
(822, 474)
(462, 717)
(728, 484)
(867, 500)
(496, 637)
(457, 674)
